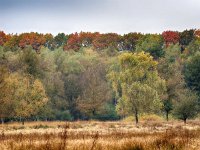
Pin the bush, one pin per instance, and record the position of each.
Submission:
(63, 115)
(108, 112)
(151, 117)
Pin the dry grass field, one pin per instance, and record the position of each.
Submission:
(94, 135)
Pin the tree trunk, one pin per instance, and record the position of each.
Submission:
(185, 120)
(93, 112)
(167, 115)
(23, 120)
(136, 117)
(2, 121)
(20, 119)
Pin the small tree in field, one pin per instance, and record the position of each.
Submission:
(187, 105)
(141, 86)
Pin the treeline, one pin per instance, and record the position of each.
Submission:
(99, 76)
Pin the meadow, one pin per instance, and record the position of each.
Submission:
(95, 135)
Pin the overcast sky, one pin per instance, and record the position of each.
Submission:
(120, 16)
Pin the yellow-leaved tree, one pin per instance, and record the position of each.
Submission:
(6, 104)
(27, 94)
(136, 83)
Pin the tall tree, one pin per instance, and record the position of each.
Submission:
(170, 68)
(6, 101)
(28, 95)
(72, 91)
(140, 83)
(191, 72)
(96, 90)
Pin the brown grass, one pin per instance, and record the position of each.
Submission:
(94, 135)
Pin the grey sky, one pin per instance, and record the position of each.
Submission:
(120, 16)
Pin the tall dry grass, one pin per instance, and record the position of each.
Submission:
(100, 136)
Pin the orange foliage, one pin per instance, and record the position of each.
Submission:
(197, 33)
(105, 40)
(4, 38)
(34, 39)
(170, 37)
(77, 40)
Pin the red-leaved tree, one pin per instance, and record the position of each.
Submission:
(34, 39)
(170, 37)
(3, 38)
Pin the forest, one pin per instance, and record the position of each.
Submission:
(99, 76)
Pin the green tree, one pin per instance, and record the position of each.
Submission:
(130, 40)
(191, 72)
(194, 46)
(186, 37)
(141, 86)
(187, 105)
(72, 90)
(29, 62)
(167, 107)
(151, 43)
(170, 69)
(60, 39)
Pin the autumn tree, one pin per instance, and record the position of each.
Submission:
(87, 38)
(130, 40)
(170, 37)
(104, 41)
(3, 38)
(6, 102)
(28, 95)
(96, 90)
(73, 43)
(140, 83)
(5, 99)
(197, 33)
(78, 40)
(36, 40)
(12, 44)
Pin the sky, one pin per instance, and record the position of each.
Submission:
(119, 16)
